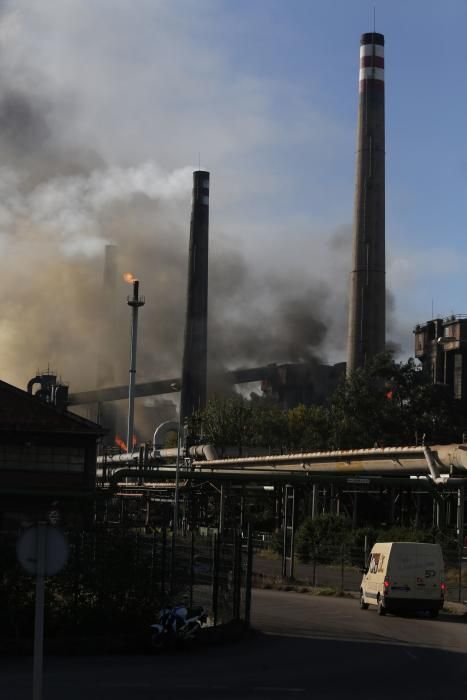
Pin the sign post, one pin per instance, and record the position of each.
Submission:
(42, 551)
(39, 614)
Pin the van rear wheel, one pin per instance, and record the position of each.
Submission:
(381, 608)
(363, 605)
(433, 613)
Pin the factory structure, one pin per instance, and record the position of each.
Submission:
(47, 457)
(427, 481)
(303, 383)
(441, 346)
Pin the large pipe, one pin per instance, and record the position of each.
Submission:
(161, 432)
(411, 460)
(194, 367)
(433, 466)
(154, 456)
(367, 306)
(406, 461)
(134, 303)
(39, 379)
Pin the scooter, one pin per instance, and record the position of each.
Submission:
(177, 626)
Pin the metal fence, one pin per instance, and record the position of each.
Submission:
(212, 571)
(116, 582)
(339, 569)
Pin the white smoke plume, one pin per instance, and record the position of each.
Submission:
(73, 180)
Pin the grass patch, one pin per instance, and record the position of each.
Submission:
(268, 554)
(270, 583)
(327, 591)
(452, 577)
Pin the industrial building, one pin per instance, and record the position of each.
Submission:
(47, 459)
(441, 346)
(304, 383)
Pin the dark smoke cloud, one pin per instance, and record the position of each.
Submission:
(22, 129)
(282, 323)
(60, 206)
(61, 219)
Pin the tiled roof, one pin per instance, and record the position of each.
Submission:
(24, 412)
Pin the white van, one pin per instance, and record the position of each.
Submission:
(404, 576)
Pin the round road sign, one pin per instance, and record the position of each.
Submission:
(56, 550)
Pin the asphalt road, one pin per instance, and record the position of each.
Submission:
(308, 647)
(316, 617)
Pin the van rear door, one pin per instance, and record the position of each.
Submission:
(402, 571)
(429, 573)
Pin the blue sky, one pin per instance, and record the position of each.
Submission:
(265, 93)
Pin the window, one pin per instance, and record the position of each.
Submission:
(457, 376)
(29, 457)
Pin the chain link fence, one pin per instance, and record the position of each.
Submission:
(339, 569)
(115, 582)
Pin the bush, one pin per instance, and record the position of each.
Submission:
(277, 541)
(107, 585)
(327, 536)
(403, 534)
(323, 535)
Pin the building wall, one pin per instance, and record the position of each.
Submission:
(40, 470)
(441, 346)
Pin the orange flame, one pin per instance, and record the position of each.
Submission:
(128, 277)
(120, 443)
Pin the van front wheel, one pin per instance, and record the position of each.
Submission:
(363, 605)
(381, 608)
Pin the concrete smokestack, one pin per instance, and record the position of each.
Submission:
(367, 308)
(105, 370)
(106, 414)
(194, 369)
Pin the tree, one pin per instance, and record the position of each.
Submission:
(225, 423)
(389, 403)
(308, 428)
(270, 429)
(382, 404)
(325, 535)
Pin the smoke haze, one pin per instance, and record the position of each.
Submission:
(86, 162)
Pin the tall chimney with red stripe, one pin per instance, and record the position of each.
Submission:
(367, 308)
